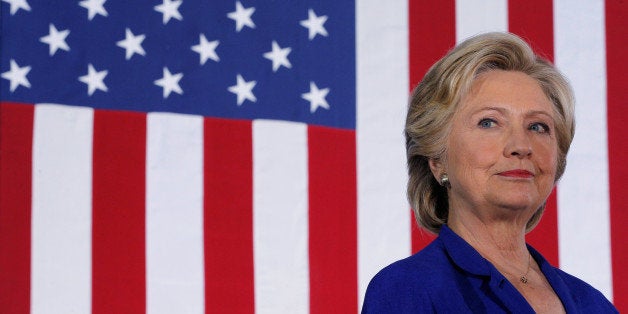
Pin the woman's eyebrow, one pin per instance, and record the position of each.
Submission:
(491, 108)
(503, 110)
(536, 113)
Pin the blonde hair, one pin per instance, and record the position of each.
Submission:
(436, 98)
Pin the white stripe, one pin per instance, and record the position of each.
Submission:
(280, 218)
(583, 200)
(384, 216)
(62, 210)
(479, 16)
(174, 214)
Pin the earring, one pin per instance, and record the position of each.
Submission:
(444, 180)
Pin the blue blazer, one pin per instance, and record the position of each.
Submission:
(450, 276)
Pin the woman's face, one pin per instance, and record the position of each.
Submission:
(502, 149)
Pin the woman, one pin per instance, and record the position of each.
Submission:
(487, 134)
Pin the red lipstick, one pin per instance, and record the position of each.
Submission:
(517, 173)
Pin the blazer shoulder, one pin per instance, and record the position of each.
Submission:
(395, 289)
(586, 296)
(405, 286)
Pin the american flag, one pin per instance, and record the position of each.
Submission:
(180, 156)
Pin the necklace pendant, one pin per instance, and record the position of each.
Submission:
(524, 279)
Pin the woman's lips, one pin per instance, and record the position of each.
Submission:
(517, 173)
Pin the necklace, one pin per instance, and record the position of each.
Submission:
(524, 278)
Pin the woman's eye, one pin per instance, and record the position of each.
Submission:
(539, 127)
(487, 123)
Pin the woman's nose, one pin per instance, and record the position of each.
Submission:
(518, 144)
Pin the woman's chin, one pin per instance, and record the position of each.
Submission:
(518, 200)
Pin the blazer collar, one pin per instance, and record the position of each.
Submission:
(463, 254)
(467, 258)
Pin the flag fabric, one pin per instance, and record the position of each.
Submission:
(245, 156)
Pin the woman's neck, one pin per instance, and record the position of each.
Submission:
(499, 241)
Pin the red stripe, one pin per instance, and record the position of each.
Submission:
(617, 98)
(16, 141)
(432, 31)
(119, 189)
(228, 222)
(332, 220)
(535, 24)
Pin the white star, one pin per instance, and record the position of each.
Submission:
(170, 83)
(56, 39)
(94, 80)
(94, 7)
(314, 24)
(132, 44)
(242, 16)
(316, 97)
(243, 89)
(17, 76)
(169, 9)
(279, 56)
(18, 4)
(206, 49)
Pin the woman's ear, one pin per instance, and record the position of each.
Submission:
(436, 165)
